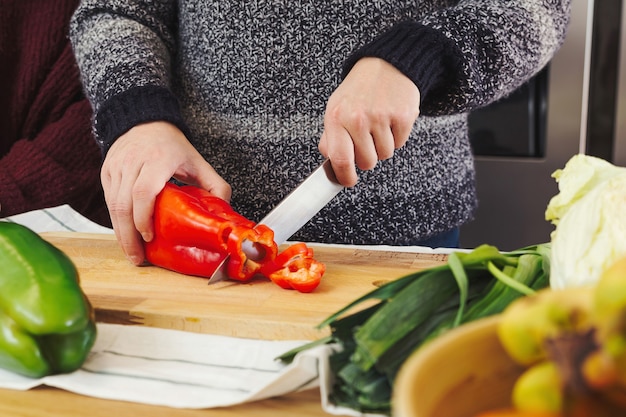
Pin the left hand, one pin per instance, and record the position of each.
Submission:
(368, 117)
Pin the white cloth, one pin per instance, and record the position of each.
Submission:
(181, 369)
(57, 219)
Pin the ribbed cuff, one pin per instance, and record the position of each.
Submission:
(135, 106)
(421, 53)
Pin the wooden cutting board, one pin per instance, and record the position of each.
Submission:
(151, 296)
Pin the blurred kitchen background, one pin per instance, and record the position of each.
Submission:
(577, 104)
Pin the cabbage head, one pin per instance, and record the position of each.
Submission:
(590, 218)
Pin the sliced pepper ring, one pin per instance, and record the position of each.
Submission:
(295, 268)
(303, 275)
(242, 267)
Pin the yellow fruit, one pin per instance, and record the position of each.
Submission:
(609, 314)
(529, 321)
(609, 300)
(539, 389)
(599, 370)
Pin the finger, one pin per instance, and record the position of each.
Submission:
(120, 206)
(358, 127)
(145, 189)
(365, 154)
(384, 142)
(110, 178)
(201, 174)
(109, 191)
(401, 129)
(110, 186)
(211, 181)
(340, 151)
(322, 146)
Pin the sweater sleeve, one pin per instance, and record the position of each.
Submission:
(474, 53)
(135, 42)
(132, 107)
(59, 165)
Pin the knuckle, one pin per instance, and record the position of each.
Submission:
(142, 192)
(333, 113)
(119, 209)
(407, 118)
(378, 119)
(341, 162)
(352, 119)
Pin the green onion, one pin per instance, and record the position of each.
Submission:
(373, 342)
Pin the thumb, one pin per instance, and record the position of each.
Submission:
(208, 179)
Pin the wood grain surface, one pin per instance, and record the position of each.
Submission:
(152, 296)
(51, 402)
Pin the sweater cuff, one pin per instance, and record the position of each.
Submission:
(133, 107)
(421, 53)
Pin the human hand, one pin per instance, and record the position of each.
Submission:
(135, 170)
(368, 117)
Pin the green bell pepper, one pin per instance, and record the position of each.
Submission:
(47, 324)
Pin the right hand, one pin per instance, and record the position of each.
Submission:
(136, 168)
(368, 117)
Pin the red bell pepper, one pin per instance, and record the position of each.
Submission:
(295, 268)
(195, 231)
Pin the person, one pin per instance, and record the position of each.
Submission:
(48, 156)
(245, 99)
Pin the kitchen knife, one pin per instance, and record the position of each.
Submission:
(295, 210)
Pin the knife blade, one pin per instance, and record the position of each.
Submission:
(295, 210)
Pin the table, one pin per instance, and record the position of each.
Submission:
(52, 402)
(124, 294)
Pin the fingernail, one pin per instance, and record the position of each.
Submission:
(147, 236)
(135, 260)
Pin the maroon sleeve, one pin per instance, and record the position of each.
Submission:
(60, 165)
(49, 156)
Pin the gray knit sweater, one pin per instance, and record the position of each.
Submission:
(247, 81)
